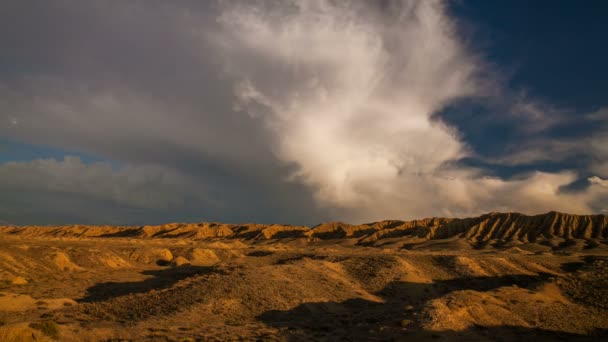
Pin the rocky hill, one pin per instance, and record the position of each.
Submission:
(496, 228)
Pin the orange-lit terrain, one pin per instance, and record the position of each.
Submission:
(494, 277)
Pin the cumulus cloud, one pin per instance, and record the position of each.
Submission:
(293, 111)
(350, 98)
(351, 101)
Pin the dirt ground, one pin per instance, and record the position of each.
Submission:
(125, 288)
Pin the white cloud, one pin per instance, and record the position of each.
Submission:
(358, 96)
(351, 99)
(599, 181)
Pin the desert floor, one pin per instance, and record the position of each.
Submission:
(131, 289)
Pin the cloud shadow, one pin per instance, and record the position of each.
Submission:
(161, 279)
(397, 317)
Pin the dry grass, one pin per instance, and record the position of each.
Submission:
(47, 327)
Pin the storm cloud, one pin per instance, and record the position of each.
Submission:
(268, 111)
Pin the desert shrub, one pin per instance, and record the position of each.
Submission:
(49, 328)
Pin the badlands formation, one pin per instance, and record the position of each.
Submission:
(497, 277)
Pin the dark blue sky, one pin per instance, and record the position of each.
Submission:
(162, 112)
(555, 50)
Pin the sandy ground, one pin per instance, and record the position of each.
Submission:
(121, 288)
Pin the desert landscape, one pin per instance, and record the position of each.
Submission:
(497, 277)
(303, 170)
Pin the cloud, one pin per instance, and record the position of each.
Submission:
(598, 144)
(599, 181)
(44, 191)
(294, 111)
(223, 150)
(533, 150)
(137, 186)
(350, 100)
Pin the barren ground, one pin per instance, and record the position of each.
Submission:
(124, 288)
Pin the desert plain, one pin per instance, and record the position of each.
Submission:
(496, 277)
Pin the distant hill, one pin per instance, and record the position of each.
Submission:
(498, 229)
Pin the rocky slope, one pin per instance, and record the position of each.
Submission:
(492, 227)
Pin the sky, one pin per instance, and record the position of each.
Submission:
(297, 112)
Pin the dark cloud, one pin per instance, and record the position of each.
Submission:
(135, 83)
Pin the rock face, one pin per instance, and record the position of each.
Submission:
(492, 227)
(515, 226)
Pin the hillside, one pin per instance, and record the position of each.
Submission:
(497, 277)
(494, 228)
